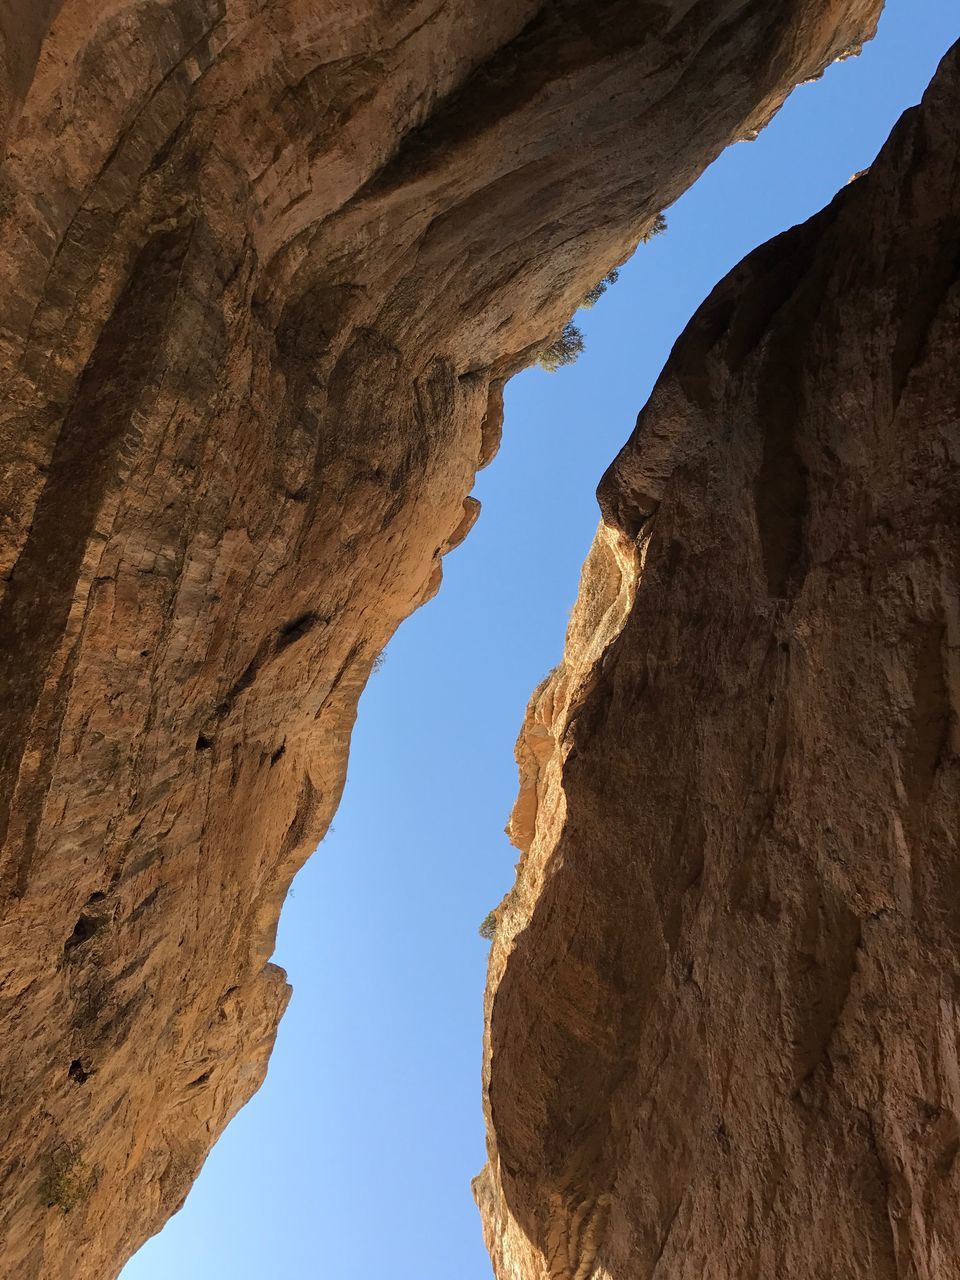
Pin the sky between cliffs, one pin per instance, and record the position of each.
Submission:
(354, 1161)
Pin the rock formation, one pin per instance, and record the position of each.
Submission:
(266, 267)
(724, 1002)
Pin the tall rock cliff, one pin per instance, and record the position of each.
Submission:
(266, 267)
(724, 1000)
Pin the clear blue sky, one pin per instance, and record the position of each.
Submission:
(354, 1161)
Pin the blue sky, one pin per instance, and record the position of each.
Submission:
(354, 1161)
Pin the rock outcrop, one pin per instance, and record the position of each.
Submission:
(266, 267)
(724, 1004)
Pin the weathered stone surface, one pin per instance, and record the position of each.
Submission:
(266, 267)
(724, 1003)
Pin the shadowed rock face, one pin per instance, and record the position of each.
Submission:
(266, 267)
(723, 1004)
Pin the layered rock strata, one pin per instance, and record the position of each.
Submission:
(266, 267)
(724, 1008)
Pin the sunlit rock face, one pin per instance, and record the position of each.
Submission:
(265, 269)
(724, 1006)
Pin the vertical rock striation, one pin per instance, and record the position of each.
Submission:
(724, 1003)
(266, 266)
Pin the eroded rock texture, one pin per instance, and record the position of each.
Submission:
(725, 994)
(266, 267)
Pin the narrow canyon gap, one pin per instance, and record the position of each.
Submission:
(267, 270)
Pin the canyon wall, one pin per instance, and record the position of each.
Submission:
(724, 998)
(266, 267)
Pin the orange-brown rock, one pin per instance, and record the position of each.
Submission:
(266, 266)
(724, 1000)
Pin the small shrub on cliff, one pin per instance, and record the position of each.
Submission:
(563, 350)
(656, 228)
(67, 1180)
(598, 290)
(488, 928)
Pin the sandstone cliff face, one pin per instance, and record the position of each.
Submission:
(724, 1004)
(266, 267)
